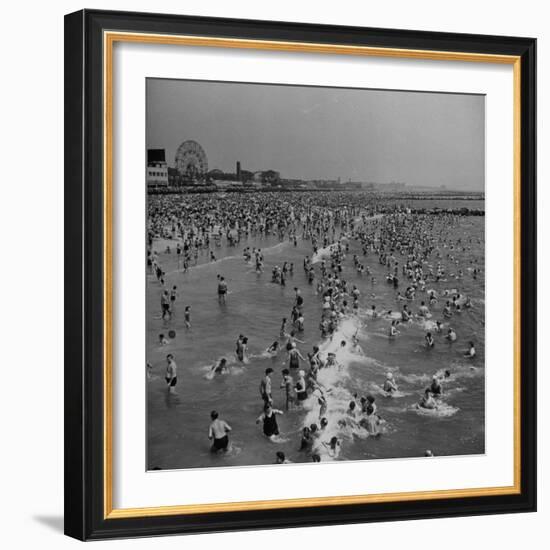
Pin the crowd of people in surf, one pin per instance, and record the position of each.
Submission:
(418, 268)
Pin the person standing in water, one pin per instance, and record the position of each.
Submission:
(294, 357)
(242, 346)
(269, 419)
(429, 340)
(471, 353)
(265, 387)
(301, 389)
(222, 290)
(187, 314)
(451, 335)
(287, 384)
(165, 305)
(171, 376)
(371, 422)
(173, 297)
(218, 433)
(282, 332)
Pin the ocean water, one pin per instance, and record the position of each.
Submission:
(177, 424)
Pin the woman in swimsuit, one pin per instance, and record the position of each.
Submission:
(269, 419)
(294, 357)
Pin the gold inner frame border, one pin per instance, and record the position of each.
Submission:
(109, 39)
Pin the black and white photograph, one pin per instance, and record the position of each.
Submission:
(315, 274)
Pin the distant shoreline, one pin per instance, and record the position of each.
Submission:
(420, 195)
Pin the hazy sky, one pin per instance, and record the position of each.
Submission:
(324, 133)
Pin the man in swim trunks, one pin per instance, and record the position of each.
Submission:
(171, 376)
(265, 387)
(222, 290)
(288, 384)
(218, 433)
(165, 305)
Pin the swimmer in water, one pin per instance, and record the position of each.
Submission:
(187, 315)
(331, 361)
(369, 402)
(427, 401)
(322, 407)
(282, 332)
(241, 349)
(423, 310)
(280, 458)
(371, 422)
(356, 347)
(165, 305)
(269, 419)
(471, 353)
(333, 447)
(222, 290)
(300, 387)
(218, 433)
(436, 389)
(351, 412)
(294, 357)
(306, 443)
(171, 376)
(273, 349)
(429, 340)
(393, 329)
(389, 385)
(221, 367)
(288, 384)
(265, 387)
(451, 335)
(162, 340)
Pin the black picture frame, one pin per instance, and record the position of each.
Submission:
(84, 282)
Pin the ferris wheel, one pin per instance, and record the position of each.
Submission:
(191, 159)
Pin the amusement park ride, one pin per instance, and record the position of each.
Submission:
(191, 161)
